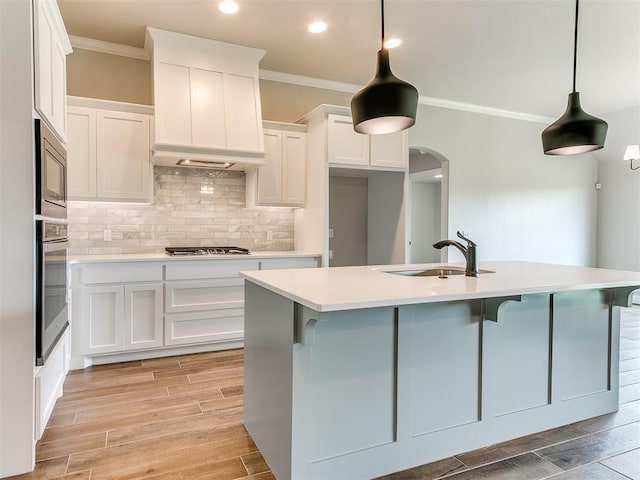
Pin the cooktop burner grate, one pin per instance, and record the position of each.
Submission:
(175, 251)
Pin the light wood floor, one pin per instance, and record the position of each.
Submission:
(181, 418)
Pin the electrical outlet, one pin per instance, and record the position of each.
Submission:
(106, 235)
(331, 233)
(269, 235)
(330, 254)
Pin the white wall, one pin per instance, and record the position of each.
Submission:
(17, 353)
(619, 198)
(514, 201)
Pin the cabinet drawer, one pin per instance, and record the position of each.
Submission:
(200, 327)
(208, 269)
(204, 295)
(274, 264)
(125, 272)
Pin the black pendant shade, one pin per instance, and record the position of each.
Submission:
(575, 131)
(386, 104)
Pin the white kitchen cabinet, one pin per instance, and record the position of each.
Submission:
(121, 317)
(49, 380)
(127, 309)
(282, 181)
(353, 226)
(81, 153)
(103, 318)
(51, 47)
(143, 316)
(204, 301)
(115, 308)
(346, 147)
(108, 155)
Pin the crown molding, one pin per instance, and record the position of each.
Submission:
(423, 100)
(496, 112)
(101, 104)
(312, 82)
(84, 43)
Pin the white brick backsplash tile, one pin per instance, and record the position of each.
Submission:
(191, 207)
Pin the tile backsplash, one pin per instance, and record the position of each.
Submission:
(191, 207)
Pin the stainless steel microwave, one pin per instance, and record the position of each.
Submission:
(51, 174)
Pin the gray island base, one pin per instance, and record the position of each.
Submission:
(343, 390)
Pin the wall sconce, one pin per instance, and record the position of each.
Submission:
(632, 153)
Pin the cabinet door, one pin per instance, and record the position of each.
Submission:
(59, 89)
(50, 67)
(143, 316)
(81, 153)
(172, 104)
(270, 175)
(43, 32)
(294, 168)
(102, 318)
(390, 150)
(123, 150)
(207, 108)
(346, 146)
(243, 117)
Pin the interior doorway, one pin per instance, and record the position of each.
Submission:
(428, 204)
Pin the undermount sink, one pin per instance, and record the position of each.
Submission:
(442, 272)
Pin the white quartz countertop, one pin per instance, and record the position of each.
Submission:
(154, 257)
(347, 288)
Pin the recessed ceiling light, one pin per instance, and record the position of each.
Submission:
(317, 27)
(228, 6)
(392, 43)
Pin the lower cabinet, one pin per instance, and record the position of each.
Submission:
(48, 383)
(121, 317)
(204, 311)
(204, 301)
(157, 308)
(208, 326)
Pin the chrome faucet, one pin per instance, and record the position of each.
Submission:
(469, 253)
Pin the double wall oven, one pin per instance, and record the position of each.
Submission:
(52, 312)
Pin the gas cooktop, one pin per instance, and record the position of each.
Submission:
(174, 251)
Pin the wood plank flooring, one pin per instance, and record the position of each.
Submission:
(180, 418)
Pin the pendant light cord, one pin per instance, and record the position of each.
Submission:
(382, 17)
(575, 47)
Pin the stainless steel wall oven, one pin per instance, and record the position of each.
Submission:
(52, 312)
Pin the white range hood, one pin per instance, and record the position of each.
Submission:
(207, 102)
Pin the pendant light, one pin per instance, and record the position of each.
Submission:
(386, 104)
(575, 131)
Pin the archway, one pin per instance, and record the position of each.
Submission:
(428, 204)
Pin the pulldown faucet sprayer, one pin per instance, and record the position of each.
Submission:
(469, 253)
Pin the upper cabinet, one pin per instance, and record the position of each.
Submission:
(51, 47)
(282, 181)
(346, 147)
(108, 154)
(355, 199)
(207, 101)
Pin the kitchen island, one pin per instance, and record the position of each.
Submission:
(355, 372)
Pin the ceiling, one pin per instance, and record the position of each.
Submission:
(507, 54)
